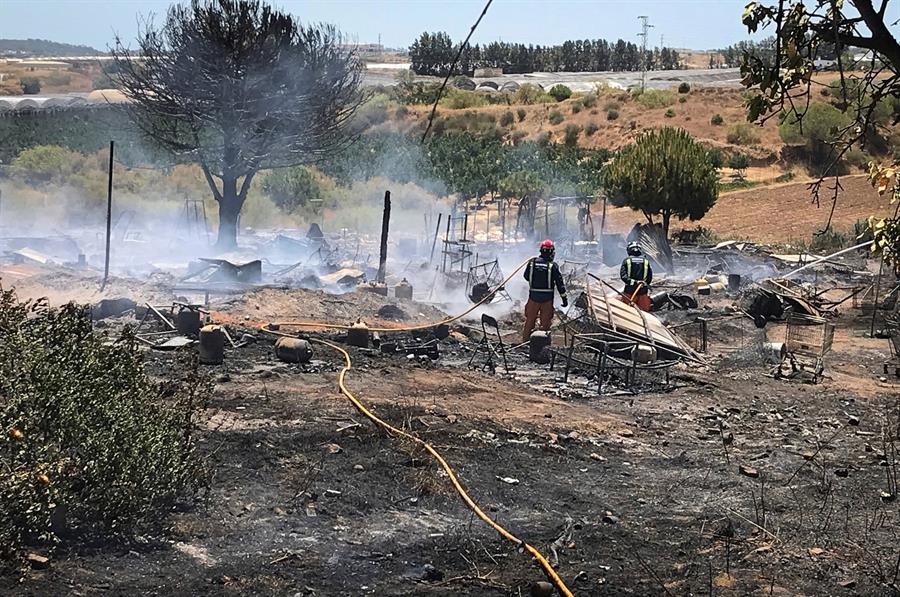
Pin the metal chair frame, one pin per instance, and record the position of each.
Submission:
(491, 349)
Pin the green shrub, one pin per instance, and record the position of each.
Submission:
(291, 188)
(716, 158)
(459, 99)
(589, 100)
(518, 136)
(47, 163)
(670, 113)
(570, 138)
(531, 94)
(374, 111)
(576, 107)
(521, 113)
(742, 134)
(612, 114)
(556, 117)
(655, 98)
(716, 120)
(590, 129)
(560, 92)
(786, 177)
(739, 162)
(56, 79)
(92, 445)
(507, 118)
(857, 158)
(684, 87)
(682, 99)
(30, 85)
(817, 129)
(544, 139)
(612, 105)
(828, 240)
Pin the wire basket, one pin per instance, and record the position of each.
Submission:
(808, 336)
(694, 333)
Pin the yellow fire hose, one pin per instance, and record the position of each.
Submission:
(551, 574)
(542, 561)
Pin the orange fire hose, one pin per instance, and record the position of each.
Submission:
(551, 574)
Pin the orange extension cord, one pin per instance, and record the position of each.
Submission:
(542, 561)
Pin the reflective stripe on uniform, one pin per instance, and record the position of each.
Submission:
(531, 278)
(646, 267)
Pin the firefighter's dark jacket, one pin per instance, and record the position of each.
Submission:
(542, 275)
(634, 270)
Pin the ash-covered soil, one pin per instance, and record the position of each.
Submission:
(627, 494)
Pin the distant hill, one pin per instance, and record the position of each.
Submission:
(41, 47)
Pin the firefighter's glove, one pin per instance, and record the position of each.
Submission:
(565, 302)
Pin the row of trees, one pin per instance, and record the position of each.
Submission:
(666, 174)
(433, 54)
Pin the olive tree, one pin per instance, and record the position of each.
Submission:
(237, 87)
(664, 173)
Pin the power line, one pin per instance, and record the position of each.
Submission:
(645, 30)
(462, 47)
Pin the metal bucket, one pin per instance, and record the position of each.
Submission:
(212, 345)
(774, 352)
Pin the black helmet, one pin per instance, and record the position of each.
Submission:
(634, 249)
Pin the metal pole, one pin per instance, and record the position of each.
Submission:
(446, 245)
(109, 189)
(385, 222)
(437, 230)
(876, 290)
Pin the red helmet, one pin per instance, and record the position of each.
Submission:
(547, 244)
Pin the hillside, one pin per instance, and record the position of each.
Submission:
(22, 48)
(778, 213)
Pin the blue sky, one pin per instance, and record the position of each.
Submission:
(697, 24)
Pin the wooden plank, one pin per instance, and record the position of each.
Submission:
(629, 319)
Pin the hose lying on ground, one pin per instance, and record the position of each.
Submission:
(551, 574)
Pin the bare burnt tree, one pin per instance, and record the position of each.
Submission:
(236, 87)
(864, 52)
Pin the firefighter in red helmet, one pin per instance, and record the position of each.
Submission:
(543, 276)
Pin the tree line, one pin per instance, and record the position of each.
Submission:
(433, 54)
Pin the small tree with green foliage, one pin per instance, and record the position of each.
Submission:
(292, 188)
(817, 130)
(665, 173)
(739, 162)
(30, 85)
(560, 92)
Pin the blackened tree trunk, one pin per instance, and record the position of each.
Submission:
(230, 205)
(238, 87)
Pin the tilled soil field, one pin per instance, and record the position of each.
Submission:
(731, 483)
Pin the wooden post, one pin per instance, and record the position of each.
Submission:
(437, 230)
(385, 221)
(109, 189)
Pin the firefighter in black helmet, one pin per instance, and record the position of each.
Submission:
(637, 275)
(542, 275)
